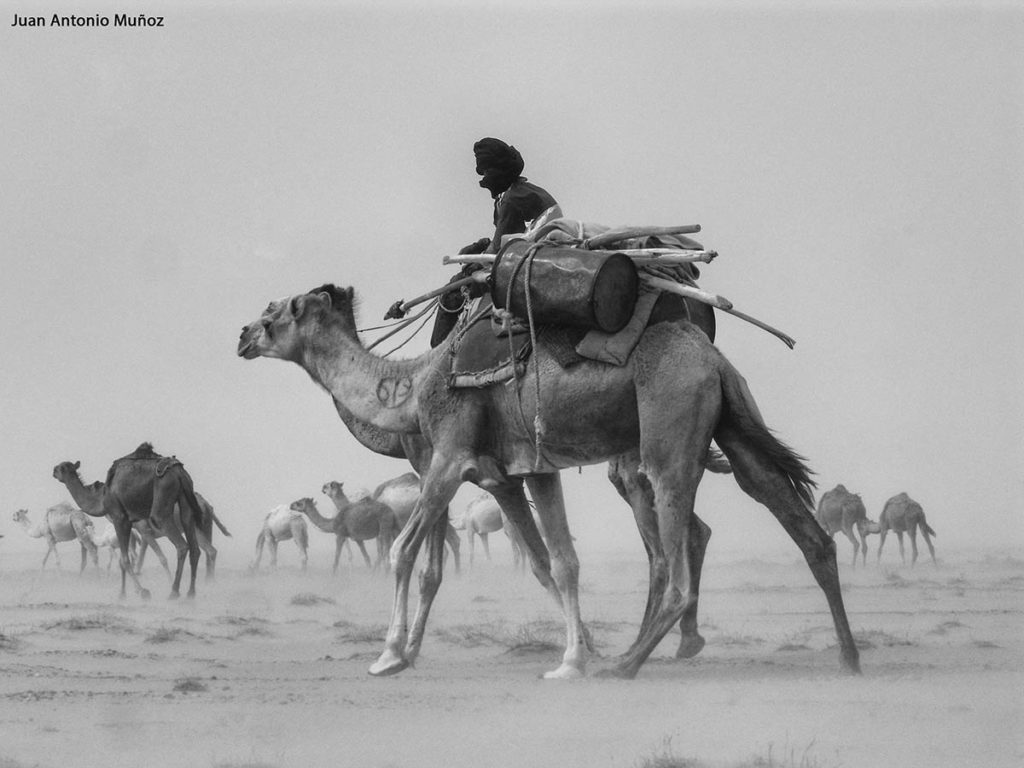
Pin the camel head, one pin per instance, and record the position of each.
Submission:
(66, 470)
(288, 324)
(867, 526)
(333, 488)
(301, 505)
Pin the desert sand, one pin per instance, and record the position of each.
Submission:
(268, 669)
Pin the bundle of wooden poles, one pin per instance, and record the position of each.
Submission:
(642, 257)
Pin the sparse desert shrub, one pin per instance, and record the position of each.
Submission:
(167, 634)
(666, 758)
(104, 621)
(189, 685)
(471, 635)
(8, 643)
(357, 633)
(308, 598)
(872, 638)
(535, 637)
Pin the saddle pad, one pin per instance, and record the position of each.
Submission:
(479, 358)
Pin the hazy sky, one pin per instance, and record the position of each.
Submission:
(860, 169)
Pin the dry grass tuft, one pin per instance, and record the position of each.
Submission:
(358, 633)
(190, 685)
(534, 637)
(168, 634)
(104, 621)
(308, 598)
(8, 643)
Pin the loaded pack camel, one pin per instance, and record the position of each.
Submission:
(62, 522)
(145, 486)
(840, 510)
(401, 494)
(359, 520)
(281, 524)
(660, 411)
(90, 498)
(902, 514)
(483, 517)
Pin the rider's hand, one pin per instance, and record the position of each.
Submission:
(395, 311)
(478, 247)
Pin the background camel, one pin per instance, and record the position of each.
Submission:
(281, 524)
(90, 498)
(401, 494)
(840, 510)
(147, 486)
(483, 516)
(901, 513)
(107, 538)
(61, 522)
(359, 521)
(675, 394)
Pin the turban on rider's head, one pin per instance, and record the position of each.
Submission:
(495, 154)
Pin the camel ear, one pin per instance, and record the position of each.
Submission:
(78, 464)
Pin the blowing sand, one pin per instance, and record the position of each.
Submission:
(269, 670)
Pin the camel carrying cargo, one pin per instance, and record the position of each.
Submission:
(582, 275)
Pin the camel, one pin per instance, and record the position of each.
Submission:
(482, 517)
(840, 510)
(902, 514)
(675, 394)
(90, 498)
(401, 494)
(281, 524)
(359, 521)
(145, 486)
(108, 538)
(62, 522)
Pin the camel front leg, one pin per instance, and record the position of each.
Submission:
(881, 543)
(546, 491)
(51, 546)
(430, 581)
(451, 537)
(123, 529)
(439, 485)
(903, 555)
(856, 546)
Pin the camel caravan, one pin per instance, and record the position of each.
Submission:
(574, 345)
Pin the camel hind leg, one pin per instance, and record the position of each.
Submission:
(773, 475)
(634, 488)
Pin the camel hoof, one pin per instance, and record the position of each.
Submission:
(173, 596)
(616, 673)
(564, 672)
(144, 594)
(387, 665)
(689, 646)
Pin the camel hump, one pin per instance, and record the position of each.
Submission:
(165, 463)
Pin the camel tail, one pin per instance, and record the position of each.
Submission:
(219, 524)
(188, 493)
(741, 412)
(927, 528)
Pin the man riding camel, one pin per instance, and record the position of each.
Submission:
(517, 202)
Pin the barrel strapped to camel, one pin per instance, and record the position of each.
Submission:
(561, 285)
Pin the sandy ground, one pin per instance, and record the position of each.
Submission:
(269, 669)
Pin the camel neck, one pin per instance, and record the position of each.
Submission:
(90, 500)
(381, 393)
(321, 522)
